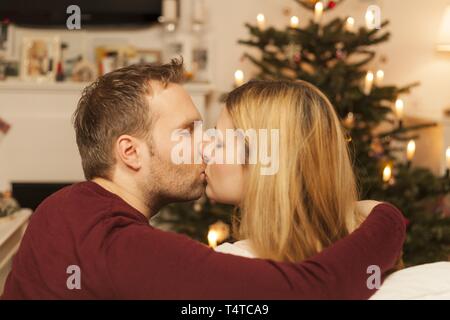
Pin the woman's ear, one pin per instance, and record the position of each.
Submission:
(128, 151)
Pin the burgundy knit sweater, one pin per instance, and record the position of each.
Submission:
(120, 256)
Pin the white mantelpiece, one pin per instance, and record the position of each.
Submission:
(40, 147)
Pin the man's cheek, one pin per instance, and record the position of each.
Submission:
(163, 144)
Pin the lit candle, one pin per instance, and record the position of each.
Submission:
(447, 158)
(370, 18)
(368, 83)
(350, 24)
(387, 173)
(238, 78)
(294, 22)
(212, 238)
(169, 10)
(399, 107)
(261, 21)
(379, 78)
(410, 150)
(318, 11)
(349, 120)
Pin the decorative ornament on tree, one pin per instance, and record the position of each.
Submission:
(376, 149)
(341, 54)
(294, 52)
(331, 4)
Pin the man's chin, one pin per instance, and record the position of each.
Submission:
(194, 193)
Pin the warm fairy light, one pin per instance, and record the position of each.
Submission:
(238, 78)
(399, 108)
(410, 150)
(368, 82)
(318, 11)
(261, 21)
(212, 238)
(350, 24)
(387, 173)
(379, 77)
(295, 22)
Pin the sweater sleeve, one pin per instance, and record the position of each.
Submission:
(147, 263)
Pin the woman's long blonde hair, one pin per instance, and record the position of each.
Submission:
(311, 202)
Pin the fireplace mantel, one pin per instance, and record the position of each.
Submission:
(16, 85)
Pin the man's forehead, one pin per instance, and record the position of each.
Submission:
(173, 99)
(161, 95)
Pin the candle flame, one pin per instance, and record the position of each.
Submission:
(319, 6)
(447, 157)
(399, 106)
(387, 173)
(370, 17)
(212, 238)
(238, 77)
(294, 21)
(380, 77)
(260, 18)
(410, 149)
(351, 21)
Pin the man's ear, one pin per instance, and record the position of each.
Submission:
(128, 151)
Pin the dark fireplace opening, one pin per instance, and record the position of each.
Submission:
(30, 195)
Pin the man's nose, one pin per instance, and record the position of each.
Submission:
(206, 157)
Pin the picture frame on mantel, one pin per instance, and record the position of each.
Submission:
(39, 58)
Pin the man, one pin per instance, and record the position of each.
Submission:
(92, 239)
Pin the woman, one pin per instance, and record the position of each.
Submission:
(311, 202)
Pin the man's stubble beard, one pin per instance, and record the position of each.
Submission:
(169, 182)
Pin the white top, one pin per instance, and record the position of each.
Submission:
(239, 248)
(427, 281)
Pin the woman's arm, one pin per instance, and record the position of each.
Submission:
(146, 263)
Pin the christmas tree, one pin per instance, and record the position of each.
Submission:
(337, 58)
